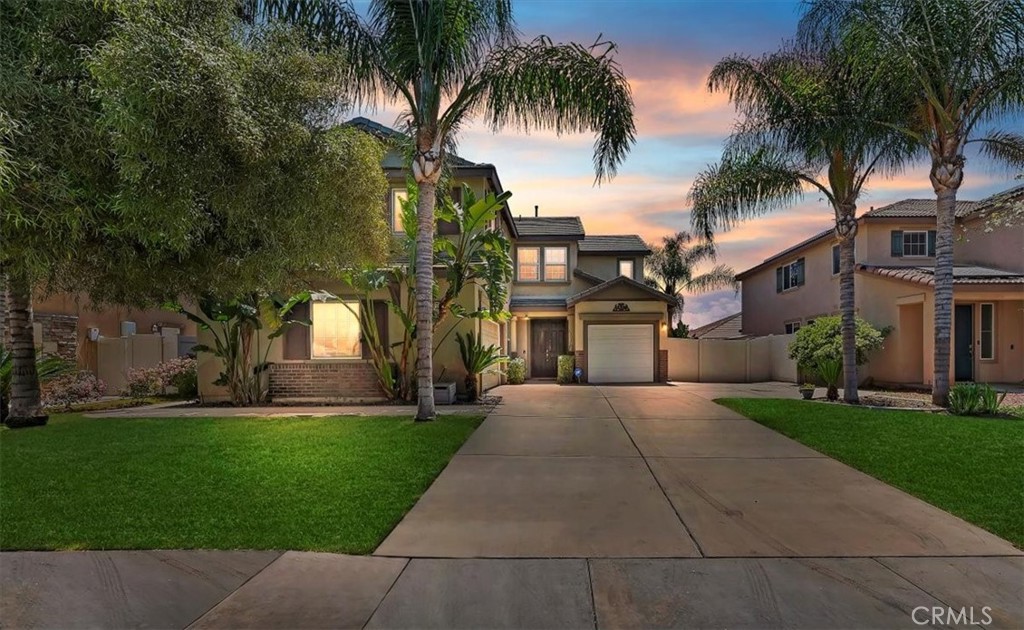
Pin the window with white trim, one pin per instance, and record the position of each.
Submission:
(626, 267)
(988, 331)
(528, 263)
(556, 264)
(789, 276)
(915, 243)
(398, 196)
(792, 327)
(335, 331)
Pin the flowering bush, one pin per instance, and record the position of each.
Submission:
(179, 373)
(71, 388)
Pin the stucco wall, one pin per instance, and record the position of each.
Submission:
(607, 267)
(1000, 248)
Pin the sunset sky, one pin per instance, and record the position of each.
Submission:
(666, 49)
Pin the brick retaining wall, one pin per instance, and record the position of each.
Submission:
(341, 380)
(60, 334)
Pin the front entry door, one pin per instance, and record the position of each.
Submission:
(963, 342)
(547, 341)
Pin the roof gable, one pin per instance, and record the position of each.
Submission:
(642, 291)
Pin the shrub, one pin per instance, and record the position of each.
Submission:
(566, 365)
(822, 341)
(73, 387)
(969, 399)
(830, 372)
(517, 371)
(154, 381)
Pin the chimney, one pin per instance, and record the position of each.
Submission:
(536, 211)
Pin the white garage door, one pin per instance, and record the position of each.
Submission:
(620, 353)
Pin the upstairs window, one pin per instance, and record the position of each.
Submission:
(626, 267)
(792, 327)
(912, 243)
(528, 263)
(556, 264)
(789, 276)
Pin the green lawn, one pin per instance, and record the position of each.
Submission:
(329, 484)
(971, 467)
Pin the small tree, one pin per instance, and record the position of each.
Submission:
(236, 326)
(821, 342)
(477, 359)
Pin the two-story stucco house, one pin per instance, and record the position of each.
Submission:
(572, 293)
(894, 286)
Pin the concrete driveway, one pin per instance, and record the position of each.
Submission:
(661, 471)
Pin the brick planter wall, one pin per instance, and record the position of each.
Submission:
(580, 361)
(662, 366)
(342, 380)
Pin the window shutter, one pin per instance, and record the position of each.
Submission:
(449, 228)
(801, 276)
(897, 243)
(778, 279)
(380, 318)
(296, 337)
(836, 259)
(931, 242)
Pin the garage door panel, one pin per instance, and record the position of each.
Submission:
(620, 353)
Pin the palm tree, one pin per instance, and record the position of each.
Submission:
(961, 65)
(671, 267)
(447, 61)
(800, 131)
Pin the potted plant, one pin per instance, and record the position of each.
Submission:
(807, 390)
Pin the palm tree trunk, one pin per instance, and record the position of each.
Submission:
(26, 407)
(946, 175)
(847, 307)
(425, 300)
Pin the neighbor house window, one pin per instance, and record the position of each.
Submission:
(988, 331)
(528, 262)
(556, 264)
(626, 267)
(915, 243)
(835, 260)
(398, 196)
(792, 327)
(789, 276)
(335, 330)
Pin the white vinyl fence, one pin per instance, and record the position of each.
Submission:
(731, 360)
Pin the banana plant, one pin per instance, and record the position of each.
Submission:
(236, 327)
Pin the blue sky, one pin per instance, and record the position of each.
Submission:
(666, 49)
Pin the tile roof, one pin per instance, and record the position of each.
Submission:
(621, 243)
(557, 227)
(912, 208)
(382, 132)
(586, 293)
(962, 274)
(726, 328)
(579, 273)
(527, 303)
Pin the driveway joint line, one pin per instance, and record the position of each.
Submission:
(405, 566)
(650, 470)
(909, 581)
(238, 588)
(590, 585)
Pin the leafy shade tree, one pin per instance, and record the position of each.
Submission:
(820, 344)
(801, 130)
(672, 266)
(448, 61)
(154, 151)
(960, 63)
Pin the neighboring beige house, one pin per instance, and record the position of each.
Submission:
(729, 327)
(572, 293)
(894, 287)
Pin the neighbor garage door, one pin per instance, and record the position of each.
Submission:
(620, 353)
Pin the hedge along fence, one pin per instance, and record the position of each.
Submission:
(730, 360)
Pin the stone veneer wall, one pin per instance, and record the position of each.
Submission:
(60, 334)
(342, 380)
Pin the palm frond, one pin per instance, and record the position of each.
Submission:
(1004, 147)
(567, 88)
(740, 187)
(719, 277)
